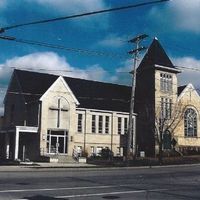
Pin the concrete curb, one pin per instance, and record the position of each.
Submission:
(82, 167)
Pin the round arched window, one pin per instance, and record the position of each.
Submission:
(190, 123)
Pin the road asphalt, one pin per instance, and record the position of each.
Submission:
(125, 183)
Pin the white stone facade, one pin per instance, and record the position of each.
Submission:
(106, 134)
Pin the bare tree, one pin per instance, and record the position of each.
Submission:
(167, 118)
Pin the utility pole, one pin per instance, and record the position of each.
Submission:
(131, 134)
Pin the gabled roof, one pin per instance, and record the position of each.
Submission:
(181, 88)
(185, 89)
(155, 55)
(60, 79)
(90, 94)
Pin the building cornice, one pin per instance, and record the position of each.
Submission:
(175, 70)
(167, 68)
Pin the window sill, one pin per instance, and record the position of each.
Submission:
(190, 137)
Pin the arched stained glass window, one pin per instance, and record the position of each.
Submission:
(190, 123)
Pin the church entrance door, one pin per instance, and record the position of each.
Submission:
(57, 142)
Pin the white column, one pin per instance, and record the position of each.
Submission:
(7, 145)
(97, 123)
(103, 124)
(122, 125)
(112, 130)
(16, 143)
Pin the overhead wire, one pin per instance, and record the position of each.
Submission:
(60, 47)
(37, 94)
(197, 89)
(64, 70)
(189, 68)
(3, 29)
(81, 51)
(33, 94)
(89, 52)
(84, 70)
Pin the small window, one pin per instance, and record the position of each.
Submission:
(166, 108)
(80, 123)
(119, 125)
(93, 124)
(100, 124)
(107, 123)
(166, 82)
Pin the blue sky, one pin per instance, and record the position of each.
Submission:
(176, 24)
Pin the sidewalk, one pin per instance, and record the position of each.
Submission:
(27, 166)
(57, 165)
(36, 166)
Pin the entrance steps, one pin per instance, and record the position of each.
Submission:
(62, 159)
(66, 159)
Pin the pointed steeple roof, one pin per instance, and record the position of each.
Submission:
(156, 55)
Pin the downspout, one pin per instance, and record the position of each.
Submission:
(39, 127)
(111, 146)
(84, 144)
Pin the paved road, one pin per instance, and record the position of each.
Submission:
(175, 183)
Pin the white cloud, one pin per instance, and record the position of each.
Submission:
(187, 14)
(50, 62)
(112, 41)
(2, 95)
(96, 72)
(47, 62)
(3, 3)
(180, 15)
(188, 75)
(122, 74)
(72, 5)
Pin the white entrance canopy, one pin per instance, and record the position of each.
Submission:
(19, 129)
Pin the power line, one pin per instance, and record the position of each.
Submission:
(14, 92)
(189, 68)
(55, 46)
(128, 101)
(3, 29)
(96, 70)
(65, 70)
(81, 51)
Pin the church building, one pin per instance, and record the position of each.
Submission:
(48, 116)
(166, 112)
(53, 116)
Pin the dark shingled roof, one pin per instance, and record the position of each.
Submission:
(181, 88)
(155, 55)
(90, 94)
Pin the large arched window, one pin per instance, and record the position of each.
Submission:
(190, 123)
